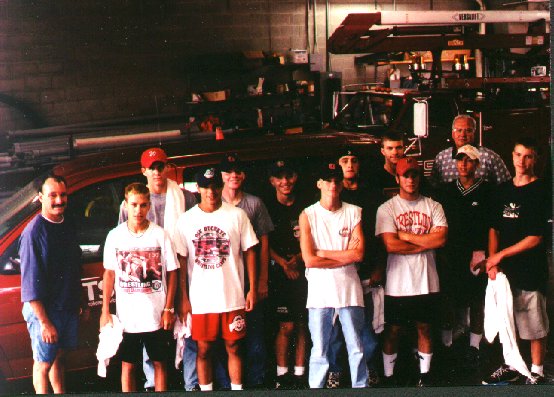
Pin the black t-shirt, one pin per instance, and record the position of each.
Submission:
(284, 239)
(522, 211)
(369, 200)
(468, 214)
(381, 180)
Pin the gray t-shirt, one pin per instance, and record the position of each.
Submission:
(257, 213)
(157, 209)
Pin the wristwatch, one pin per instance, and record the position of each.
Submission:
(171, 310)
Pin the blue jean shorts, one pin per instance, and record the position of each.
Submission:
(66, 324)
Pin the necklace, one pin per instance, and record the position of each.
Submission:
(137, 234)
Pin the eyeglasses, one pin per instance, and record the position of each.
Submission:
(463, 130)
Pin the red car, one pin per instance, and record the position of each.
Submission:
(96, 184)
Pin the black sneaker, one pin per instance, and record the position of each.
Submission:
(300, 382)
(502, 376)
(424, 380)
(333, 380)
(372, 378)
(536, 379)
(388, 381)
(283, 381)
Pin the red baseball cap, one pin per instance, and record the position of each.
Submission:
(406, 164)
(152, 155)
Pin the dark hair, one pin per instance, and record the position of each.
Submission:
(137, 188)
(529, 142)
(51, 175)
(392, 136)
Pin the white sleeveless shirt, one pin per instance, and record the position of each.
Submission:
(332, 230)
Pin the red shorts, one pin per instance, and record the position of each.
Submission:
(208, 327)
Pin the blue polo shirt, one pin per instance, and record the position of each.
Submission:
(50, 264)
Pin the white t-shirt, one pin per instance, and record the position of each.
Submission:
(213, 243)
(412, 274)
(140, 264)
(332, 230)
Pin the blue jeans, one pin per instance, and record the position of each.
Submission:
(148, 368)
(320, 322)
(256, 354)
(190, 376)
(369, 341)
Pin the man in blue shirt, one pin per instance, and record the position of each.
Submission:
(50, 285)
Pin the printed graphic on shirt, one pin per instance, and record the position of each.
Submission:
(414, 222)
(141, 270)
(238, 324)
(511, 211)
(295, 228)
(212, 247)
(344, 232)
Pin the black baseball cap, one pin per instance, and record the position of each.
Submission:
(231, 162)
(280, 167)
(209, 176)
(348, 151)
(330, 170)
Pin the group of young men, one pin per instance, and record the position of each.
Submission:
(213, 264)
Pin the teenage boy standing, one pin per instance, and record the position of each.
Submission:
(140, 263)
(212, 238)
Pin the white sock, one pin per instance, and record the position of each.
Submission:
(475, 340)
(388, 363)
(447, 337)
(236, 387)
(208, 387)
(537, 369)
(425, 362)
(282, 370)
(299, 371)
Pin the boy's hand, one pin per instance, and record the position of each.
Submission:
(250, 301)
(167, 320)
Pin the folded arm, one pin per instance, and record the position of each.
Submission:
(436, 238)
(354, 252)
(307, 246)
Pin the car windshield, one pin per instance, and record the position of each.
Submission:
(18, 207)
(366, 110)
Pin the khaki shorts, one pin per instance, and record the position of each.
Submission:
(530, 314)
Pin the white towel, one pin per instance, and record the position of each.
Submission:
(499, 319)
(174, 206)
(378, 296)
(180, 332)
(109, 339)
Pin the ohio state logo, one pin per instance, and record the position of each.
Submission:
(210, 173)
(238, 324)
(151, 153)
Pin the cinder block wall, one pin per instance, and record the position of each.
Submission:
(66, 62)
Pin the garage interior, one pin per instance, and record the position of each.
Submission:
(79, 77)
(72, 73)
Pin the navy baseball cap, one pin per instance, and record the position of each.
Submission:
(209, 176)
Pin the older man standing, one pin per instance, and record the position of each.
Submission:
(50, 285)
(492, 167)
